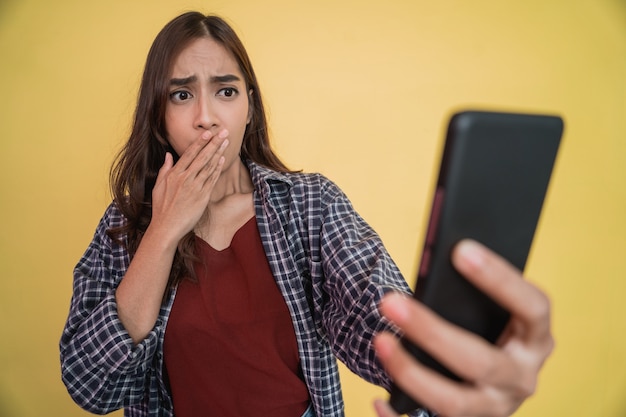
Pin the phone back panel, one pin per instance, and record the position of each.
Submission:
(493, 178)
(494, 175)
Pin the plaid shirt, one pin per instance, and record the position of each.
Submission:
(330, 266)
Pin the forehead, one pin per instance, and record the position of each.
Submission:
(204, 56)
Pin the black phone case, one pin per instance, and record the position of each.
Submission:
(493, 177)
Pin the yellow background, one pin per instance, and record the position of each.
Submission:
(356, 89)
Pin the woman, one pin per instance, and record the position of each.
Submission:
(220, 283)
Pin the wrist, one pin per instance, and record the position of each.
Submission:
(160, 238)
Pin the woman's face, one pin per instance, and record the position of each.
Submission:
(207, 91)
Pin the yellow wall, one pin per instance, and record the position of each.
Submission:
(357, 89)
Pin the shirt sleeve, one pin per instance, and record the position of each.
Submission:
(358, 271)
(101, 367)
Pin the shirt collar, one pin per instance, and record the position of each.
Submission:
(264, 179)
(261, 174)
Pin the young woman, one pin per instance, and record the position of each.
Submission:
(221, 283)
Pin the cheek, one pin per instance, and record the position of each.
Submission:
(241, 119)
(178, 148)
(175, 137)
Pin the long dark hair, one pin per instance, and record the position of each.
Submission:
(134, 172)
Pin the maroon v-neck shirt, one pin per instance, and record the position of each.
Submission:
(230, 347)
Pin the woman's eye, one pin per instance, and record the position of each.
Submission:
(180, 95)
(228, 92)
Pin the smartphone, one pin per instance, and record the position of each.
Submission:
(494, 173)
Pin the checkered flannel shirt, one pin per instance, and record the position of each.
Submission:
(330, 266)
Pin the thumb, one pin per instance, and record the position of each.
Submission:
(167, 165)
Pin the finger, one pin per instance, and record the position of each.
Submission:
(167, 165)
(465, 354)
(426, 386)
(192, 151)
(197, 147)
(214, 174)
(213, 166)
(383, 409)
(503, 282)
(207, 157)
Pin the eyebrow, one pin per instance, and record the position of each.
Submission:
(216, 79)
(228, 78)
(183, 81)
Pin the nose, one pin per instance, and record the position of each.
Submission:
(206, 118)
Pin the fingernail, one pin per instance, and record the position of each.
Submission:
(381, 345)
(471, 252)
(223, 134)
(395, 306)
(382, 408)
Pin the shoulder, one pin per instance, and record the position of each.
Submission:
(315, 191)
(113, 217)
(306, 184)
(106, 256)
(317, 182)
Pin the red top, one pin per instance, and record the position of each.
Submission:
(230, 347)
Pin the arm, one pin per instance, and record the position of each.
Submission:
(101, 367)
(499, 377)
(115, 323)
(358, 271)
(179, 198)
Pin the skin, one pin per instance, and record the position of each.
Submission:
(498, 378)
(208, 190)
